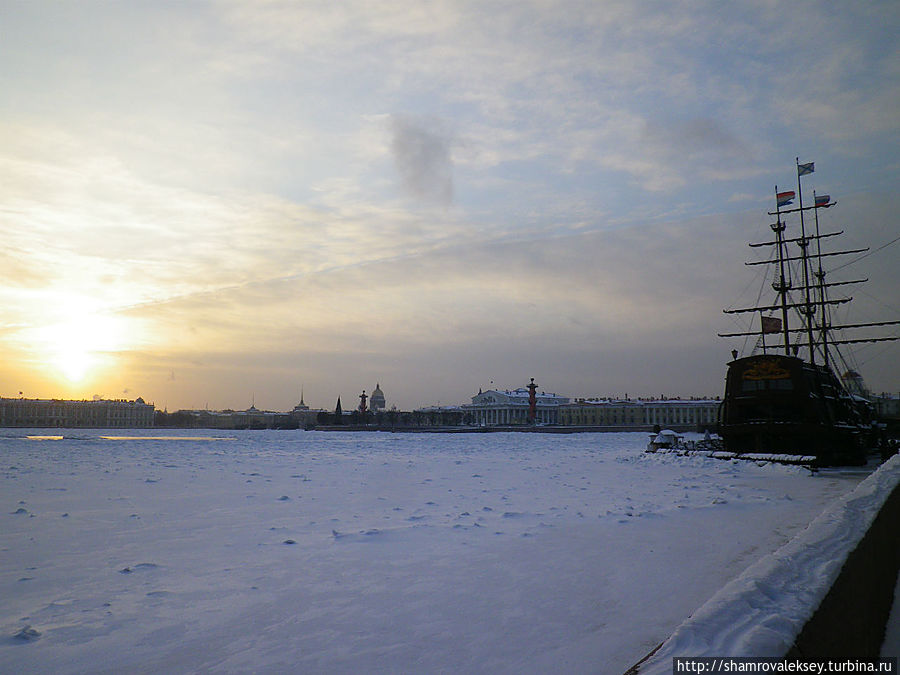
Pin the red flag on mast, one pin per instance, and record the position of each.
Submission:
(770, 324)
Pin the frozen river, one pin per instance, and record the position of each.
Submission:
(318, 552)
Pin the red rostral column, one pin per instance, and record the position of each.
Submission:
(532, 402)
(362, 403)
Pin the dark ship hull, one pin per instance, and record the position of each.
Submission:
(784, 405)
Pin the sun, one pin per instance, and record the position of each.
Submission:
(81, 345)
(75, 362)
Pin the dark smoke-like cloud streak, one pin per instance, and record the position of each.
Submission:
(421, 149)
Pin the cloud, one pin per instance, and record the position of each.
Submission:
(421, 151)
(506, 302)
(422, 188)
(700, 142)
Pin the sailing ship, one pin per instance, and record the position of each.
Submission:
(786, 399)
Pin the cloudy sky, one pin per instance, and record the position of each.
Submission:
(219, 203)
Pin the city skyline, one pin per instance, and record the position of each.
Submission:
(208, 203)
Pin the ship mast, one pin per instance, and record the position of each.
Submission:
(820, 276)
(808, 310)
(807, 307)
(781, 286)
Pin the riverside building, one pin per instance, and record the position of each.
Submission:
(681, 414)
(501, 408)
(55, 413)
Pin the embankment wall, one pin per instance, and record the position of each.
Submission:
(825, 594)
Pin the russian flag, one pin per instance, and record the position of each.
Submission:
(785, 198)
(822, 200)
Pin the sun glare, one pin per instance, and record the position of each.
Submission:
(74, 362)
(81, 345)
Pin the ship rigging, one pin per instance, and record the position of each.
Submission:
(792, 402)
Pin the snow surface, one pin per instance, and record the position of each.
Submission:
(334, 552)
(762, 612)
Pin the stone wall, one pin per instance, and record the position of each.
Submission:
(850, 621)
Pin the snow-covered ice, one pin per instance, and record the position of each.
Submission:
(372, 552)
(763, 611)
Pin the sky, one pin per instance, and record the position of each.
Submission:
(219, 204)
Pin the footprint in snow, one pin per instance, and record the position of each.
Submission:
(138, 567)
(27, 634)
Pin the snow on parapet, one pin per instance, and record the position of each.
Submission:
(762, 612)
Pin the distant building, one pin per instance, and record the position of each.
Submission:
(253, 418)
(679, 413)
(495, 407)
(376, 400)
(887, 406)
(302, 416)
(301, 407)
(57, 413)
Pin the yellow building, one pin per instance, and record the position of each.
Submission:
(643, 413)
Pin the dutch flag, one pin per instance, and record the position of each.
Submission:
(785, 198)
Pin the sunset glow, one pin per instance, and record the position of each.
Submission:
(433, 196)
(81, 345)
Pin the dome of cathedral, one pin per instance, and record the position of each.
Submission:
(376, 400)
